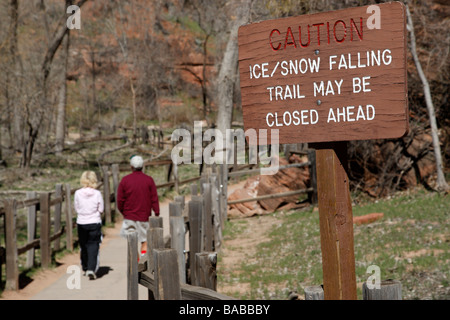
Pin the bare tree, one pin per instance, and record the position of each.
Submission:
(122, 41)
(35, 117)
(441, 182)
(13, 79)
(228, 69)
(62, 99)
(209, 16)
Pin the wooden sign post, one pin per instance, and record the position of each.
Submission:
(336, 221)
(328, 78)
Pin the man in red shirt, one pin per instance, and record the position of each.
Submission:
(136, 197)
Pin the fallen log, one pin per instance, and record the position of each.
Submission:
(368, 218)
(101, 138)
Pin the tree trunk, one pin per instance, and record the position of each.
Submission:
(94, 98)
(35, 118)
(123, 44)
(441, 183)
(13, 82)
(133, 102)
(225, 81)
(228, 70)
(29, 146)
(203, 81)
(61, 112)
(228, 74)
(1, 156)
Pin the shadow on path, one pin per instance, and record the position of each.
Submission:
(103, 271)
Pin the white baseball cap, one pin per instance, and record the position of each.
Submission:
(137, 162)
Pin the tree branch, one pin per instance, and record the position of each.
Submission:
(55, 42)
(441, 183)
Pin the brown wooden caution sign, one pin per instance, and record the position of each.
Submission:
(333, 76)
(328, 78)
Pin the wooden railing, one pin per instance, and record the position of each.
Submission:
(45, 226)
(46, 210)
(169, 271)
(183, 271)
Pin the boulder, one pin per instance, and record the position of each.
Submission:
(283, 181)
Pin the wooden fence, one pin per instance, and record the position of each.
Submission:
(175, 270)
(203, 221)
(387, 290)
(46, 210)
(180, 270)
(39, 210)
(45, 213)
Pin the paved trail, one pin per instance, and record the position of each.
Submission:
(111, 283)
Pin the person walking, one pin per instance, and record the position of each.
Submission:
(89, 206)
(136, 198)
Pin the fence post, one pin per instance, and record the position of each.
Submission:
(12, 267)
(195, 235)
(155, 222)
(106, 195)
(314, 293)
(31, 229)
(175, 209)
(181, 201)
(45, 221)
(177, 235)
(205, 270)
(155, 240)
(116, 179)
(132, 267)
(57, 216)
(193, 188)
(69, 223)
(215, 211)
(167, 280)
(389, 290)
(2, 260)
(312, 176)
(223, 181)
(207, 217)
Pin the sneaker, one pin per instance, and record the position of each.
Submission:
(142, 255)
(91, 275)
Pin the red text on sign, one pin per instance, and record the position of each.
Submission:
(337, 31)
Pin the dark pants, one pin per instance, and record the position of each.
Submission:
(89, 236)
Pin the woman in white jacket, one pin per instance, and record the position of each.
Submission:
(88, 203)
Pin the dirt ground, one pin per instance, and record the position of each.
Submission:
(236, 250)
